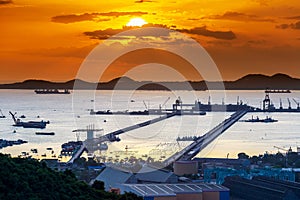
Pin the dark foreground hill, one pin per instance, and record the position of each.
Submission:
(248, 82)
(22, 179)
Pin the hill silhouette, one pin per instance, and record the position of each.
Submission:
(248, 82)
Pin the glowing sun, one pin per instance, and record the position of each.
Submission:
(136, 22)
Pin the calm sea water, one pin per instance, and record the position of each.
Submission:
(69, 112)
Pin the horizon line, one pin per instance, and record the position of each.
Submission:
(151, 81)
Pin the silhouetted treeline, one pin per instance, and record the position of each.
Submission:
(29, 179)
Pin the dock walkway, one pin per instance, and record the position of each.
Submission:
(146, 123)
(194, 148)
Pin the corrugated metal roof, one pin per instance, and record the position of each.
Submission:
(171, 189)
(148, 174)
(112, 177)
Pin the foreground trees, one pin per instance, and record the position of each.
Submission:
(29, 179)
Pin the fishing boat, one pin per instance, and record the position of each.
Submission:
(51, 91)
(30, 124)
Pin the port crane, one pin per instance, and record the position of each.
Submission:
(286, 155)
(90, 129)
(145, 105)
(280, 148)
(298, 104)
(162, 105)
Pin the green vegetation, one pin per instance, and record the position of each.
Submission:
(29, 179)
(279, 160)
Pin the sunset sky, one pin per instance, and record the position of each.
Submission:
(49, 39)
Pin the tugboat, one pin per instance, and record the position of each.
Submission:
(30, 124)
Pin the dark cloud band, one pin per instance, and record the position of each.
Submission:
(290, 26)
(200, 31)
(71, 18)
(3, 2)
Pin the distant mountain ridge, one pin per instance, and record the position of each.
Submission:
(248, 82)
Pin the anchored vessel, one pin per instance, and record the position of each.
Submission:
(266, 120)
(51, 91)
(30, 124)
(277, 91)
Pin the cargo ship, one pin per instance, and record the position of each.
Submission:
(51, 91)
(266, 120)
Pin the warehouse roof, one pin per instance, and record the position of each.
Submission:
(170, 189)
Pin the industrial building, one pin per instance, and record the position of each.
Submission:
(113, 177)
(261, 188)
(186, 191)
(152, 175)
(228, 162)
(183, 167)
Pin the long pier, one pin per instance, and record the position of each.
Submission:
(89, 143)
(146, 123)
(194, 148)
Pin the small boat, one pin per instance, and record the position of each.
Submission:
(51, 91)
(44, 133)
(202, 113)
(269, 119)
(34, 150)
(187, 138)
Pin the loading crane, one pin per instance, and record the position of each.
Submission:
(298, 104)
(145, 105)
(162, 105)
(280, 148)
(286, 155)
